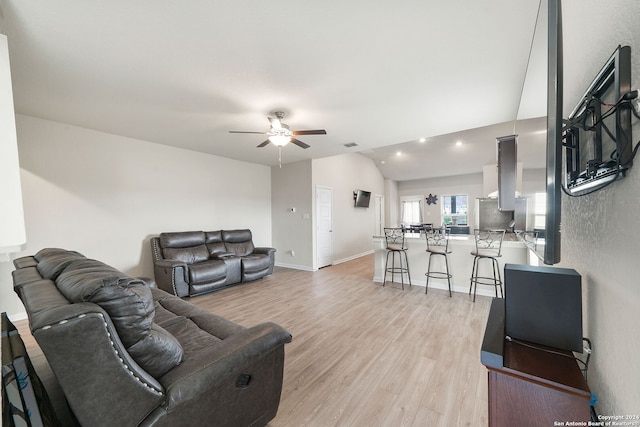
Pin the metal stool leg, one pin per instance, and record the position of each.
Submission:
(438, 274)
(402, 269)
(473, 274)
(495, 279)
(428, 271)
(496, 270)
(386, 269)
(406, 262)
(446, 263)
(475, 278)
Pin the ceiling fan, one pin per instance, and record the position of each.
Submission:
(280, 134)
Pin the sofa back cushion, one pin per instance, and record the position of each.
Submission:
(214, 242)
(52, 261)
(189, 255)
(130, 306)
(188, 246)
(238, 241)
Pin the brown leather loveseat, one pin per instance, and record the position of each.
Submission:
(189, 263)
(129, 354)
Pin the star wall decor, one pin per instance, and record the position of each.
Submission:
(432, 200)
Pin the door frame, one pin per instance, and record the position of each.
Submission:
(316, 251)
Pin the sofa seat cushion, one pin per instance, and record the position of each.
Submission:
(197, 330)
(207, 272)
(254, 263)
(169, 308)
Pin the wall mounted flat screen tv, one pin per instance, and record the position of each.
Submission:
(551, 248)
(362, 198)
(598, 135)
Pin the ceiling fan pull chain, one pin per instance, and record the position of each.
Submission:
(280, 156)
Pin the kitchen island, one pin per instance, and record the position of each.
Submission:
(460, 261)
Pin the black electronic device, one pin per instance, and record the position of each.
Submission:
(598, 146)
(361, 198)
(543, 305)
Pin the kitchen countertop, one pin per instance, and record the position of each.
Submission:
(514, 251)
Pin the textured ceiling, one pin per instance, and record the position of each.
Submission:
(376, 73)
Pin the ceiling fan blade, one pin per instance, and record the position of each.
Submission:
(310, 132)
(264, 144)
(242, 131)
(299, 143)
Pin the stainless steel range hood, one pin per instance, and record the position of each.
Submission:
(507, 172)
(490, 179)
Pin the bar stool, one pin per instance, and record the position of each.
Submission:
(488, 246)
(395, 246)
(438, 244)
(427, 226)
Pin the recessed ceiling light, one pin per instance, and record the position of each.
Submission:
(422, 140)
(458, 143)
(398, 153)
(382, 162)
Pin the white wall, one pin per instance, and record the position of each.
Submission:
(471, 185)
(601, 231)
(533, 180)
(12, 229)
(353, 228)
(292, 231)
(106, 195)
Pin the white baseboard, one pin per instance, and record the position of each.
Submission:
(294, 266)
(339, 261)
(351, 258)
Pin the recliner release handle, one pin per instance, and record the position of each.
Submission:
(243, 380)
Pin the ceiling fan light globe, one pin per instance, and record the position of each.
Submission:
(280, 140)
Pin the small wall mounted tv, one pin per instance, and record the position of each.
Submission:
(361, 198)
(598, 136)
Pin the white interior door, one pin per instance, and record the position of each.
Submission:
(324, 226)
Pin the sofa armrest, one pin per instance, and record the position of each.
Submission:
(264, 250)
(223, 363)
(93, 368)
(271, 252)
(167, 263)
(172, 276)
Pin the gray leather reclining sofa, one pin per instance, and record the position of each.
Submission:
(190, 263)
(128, 354)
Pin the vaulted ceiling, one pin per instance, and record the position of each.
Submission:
(380, 74)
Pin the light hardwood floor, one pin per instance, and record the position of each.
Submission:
(363, 354)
